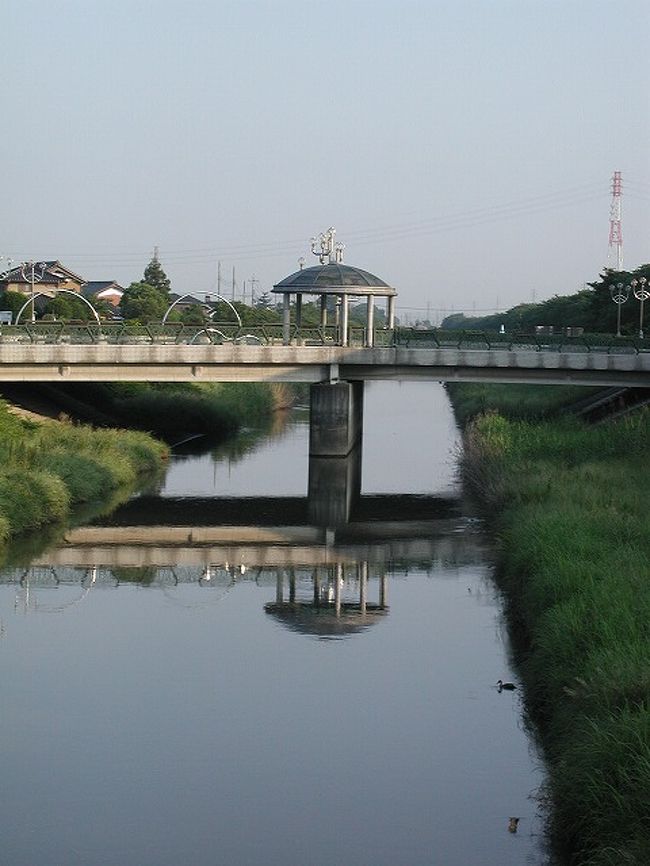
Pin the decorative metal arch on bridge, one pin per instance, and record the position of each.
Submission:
(76, 295)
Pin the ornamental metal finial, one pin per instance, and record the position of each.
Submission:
(326, 249)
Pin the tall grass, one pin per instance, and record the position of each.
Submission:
(174, 411)
(570, 506)
(513, 401)
(48, 468)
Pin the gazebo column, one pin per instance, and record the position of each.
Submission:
(370, 322)
(286, 319)
(383, 590)
(391, 312)
(363, 586)
(344, 320)
(338, 580)
(298, 310)
(323, 311)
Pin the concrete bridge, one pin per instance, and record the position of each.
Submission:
(140, 358)
(315, 355)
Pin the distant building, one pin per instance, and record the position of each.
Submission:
(186, 302)
(103, 290)
(49, 278)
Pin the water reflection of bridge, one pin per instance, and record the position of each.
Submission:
(267, 532)
(328, 582)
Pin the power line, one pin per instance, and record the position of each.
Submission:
(529, 206)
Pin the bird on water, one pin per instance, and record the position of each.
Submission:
(507, 686)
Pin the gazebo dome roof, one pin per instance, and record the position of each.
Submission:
(322, 621)
(333, 278)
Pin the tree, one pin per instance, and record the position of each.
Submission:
(264, 302)
(66, 307)
(12, 301)
(193, 315)
(143, 302)
(155, 277)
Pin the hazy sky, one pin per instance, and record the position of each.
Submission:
(463, 150)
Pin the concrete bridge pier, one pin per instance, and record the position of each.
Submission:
(335, 428)
(335, 418)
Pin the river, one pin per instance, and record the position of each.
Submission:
(252, 694)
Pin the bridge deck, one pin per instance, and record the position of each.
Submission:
(21, 362)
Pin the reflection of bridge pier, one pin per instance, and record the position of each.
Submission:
(326, 609)
(334, 488)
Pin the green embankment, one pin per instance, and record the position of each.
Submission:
(570, 507)
(49, 468)
(172, 411)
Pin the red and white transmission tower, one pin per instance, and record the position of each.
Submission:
(615, 252)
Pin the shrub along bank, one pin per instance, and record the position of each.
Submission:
(172, 411)
(571, 508)
(49, 467)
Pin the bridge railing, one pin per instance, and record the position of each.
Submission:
(438, 339)
(221, 333)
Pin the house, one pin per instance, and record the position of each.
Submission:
(103, 290)
(49, 278)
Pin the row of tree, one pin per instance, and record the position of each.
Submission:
(590, 308)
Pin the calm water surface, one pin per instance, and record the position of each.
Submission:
(203, 709)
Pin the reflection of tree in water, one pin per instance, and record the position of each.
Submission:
(142, 576)
(235, 449)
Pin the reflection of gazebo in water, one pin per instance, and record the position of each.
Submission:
(333, 279)
(328, 614)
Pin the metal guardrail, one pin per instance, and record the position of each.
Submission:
(220, 333)
(486, 340)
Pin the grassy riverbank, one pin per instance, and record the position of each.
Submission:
(48, 468)
(171, 412)
(570, 506)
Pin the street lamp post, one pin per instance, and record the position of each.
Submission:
(641, 293)
(34, 277)
(619, 294)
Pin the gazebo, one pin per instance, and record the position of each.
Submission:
(332, 278)
(327, 615)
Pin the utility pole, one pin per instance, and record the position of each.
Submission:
(218, 278)
(233, 282)
(253, 281)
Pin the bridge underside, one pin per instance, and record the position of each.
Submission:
(319, 373)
